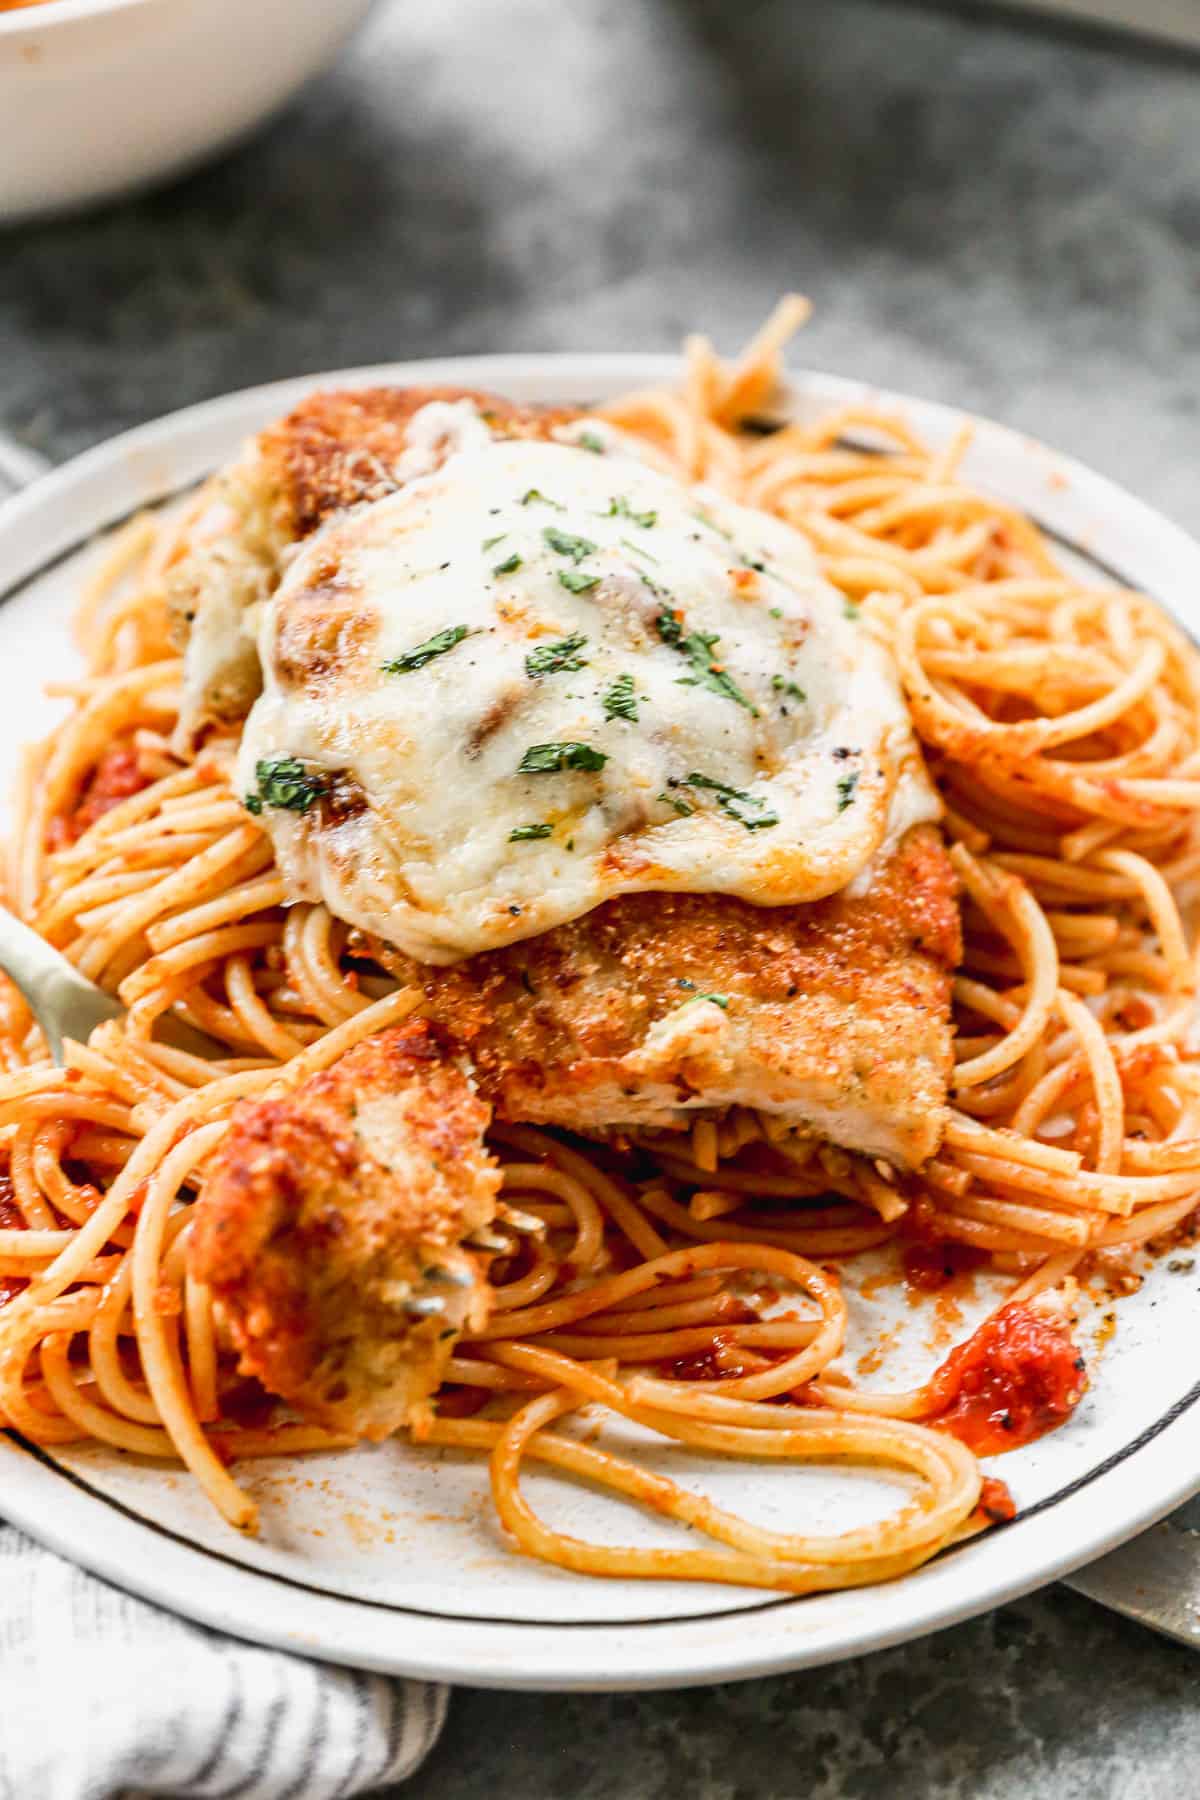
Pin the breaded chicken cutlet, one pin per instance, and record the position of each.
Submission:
(837, 1014)
(656, 1009)
(331, 1230)
(334, 1229)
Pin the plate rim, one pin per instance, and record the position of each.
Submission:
(146, 464)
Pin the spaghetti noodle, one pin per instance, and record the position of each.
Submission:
(1062, 725)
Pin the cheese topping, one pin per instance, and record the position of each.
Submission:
(544, 674)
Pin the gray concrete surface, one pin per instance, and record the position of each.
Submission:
(985, 210)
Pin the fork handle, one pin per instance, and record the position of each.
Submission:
(1155, 1579)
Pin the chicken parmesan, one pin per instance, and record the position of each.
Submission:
(543, 676)
(649, 797)
(626, 863)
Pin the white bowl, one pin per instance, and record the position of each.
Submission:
(100, 96)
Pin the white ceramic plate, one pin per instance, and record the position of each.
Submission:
(389, 1558)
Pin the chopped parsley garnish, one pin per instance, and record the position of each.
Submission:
(509, 566)
(553, 659)
(567, 544)
(490, 543)
(619, 508)
(434, 646)
(706, 518)
(706, 672)
(637, 550)
(750, 810)
(776, 612)
(620, 701)
(849, 609)
(576, 581)
(715, 787)
(721, 1000)
(521, 834)
(285, 782)
(788, 687)
(846, 786)
(587, 440)
(698, 647)
(711, 675)
(533, 496)
(685, 812)
(547, 759)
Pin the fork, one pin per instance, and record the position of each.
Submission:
(64, 1002)
(67, 1005)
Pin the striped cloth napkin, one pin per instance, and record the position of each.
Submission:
(103, 1697)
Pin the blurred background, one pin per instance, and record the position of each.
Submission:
(995, 207)
(986, 206)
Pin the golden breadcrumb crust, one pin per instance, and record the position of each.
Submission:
(836, 1014)
(333, 1209)
(340, 448)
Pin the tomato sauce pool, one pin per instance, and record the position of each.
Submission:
(1016, 1378)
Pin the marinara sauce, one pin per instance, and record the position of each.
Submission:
(11, 1219)
(929, 1267)
(1014, 1379)
(116, 777)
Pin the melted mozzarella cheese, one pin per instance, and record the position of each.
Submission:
(540, 676)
